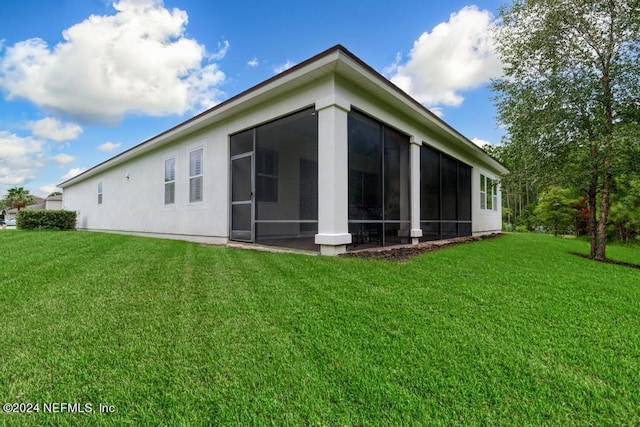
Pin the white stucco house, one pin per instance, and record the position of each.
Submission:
(328, 155)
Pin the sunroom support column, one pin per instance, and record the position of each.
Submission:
(333, 176)
(416, 230)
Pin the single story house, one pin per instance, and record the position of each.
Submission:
(328, 155)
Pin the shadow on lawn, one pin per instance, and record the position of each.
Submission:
(608, 261)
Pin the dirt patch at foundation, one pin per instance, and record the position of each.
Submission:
(404, 253)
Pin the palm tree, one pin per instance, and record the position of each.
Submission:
(18, 197)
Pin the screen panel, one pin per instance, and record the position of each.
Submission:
(449, 195)
(396, 176)
(365, 168)
(429, 183)
(379, 183)
(241, 143)
(464, 192)
(445, 195)
(282, 206)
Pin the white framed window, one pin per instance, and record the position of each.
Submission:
(196, 175)
(170, 181)
(100, 193)
(488, 193)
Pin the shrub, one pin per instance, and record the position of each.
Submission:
(556, 209)
(46, 220)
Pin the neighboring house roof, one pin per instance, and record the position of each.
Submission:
(56, 198)
(336, 60)
(38, 204)
(34, 207)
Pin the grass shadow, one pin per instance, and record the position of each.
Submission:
(608, 261)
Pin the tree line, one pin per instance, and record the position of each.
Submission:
(569, 101)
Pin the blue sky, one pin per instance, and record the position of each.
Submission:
(83, 80)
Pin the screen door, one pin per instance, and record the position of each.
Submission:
(242, 224)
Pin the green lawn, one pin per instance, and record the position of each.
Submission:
(507, 331)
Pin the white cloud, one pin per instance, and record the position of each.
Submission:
(14, 146)
(45, 190)
(135, 61)
(20, 158)
(63, 159)
(438, 111)
(10, 179)
(480, 142)
(253, 63)
(50, 128)
(393, 68)
(222, 51)
(202, 86)
(283, 67)
(456, 55)
(109, 146)
(72, 172)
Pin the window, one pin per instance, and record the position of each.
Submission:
(100, 193)
(170, 181)
(488, 193)
(195, 175)
(267, 172)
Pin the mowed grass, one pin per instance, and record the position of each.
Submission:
(507, 331)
